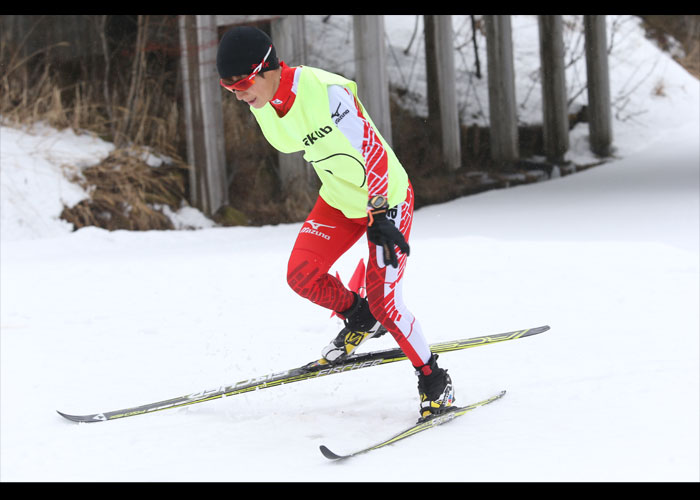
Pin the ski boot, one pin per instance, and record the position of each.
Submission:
(434, 388)
(360, 326)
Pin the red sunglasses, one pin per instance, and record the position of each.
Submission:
(248, 81)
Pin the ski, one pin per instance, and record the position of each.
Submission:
(315, 369)
(420, 426)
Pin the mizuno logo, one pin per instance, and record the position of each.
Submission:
(314, 229)
(338, 115)
(316, 225)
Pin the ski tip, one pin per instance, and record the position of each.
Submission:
(534, 331)
(82, 418)
(497, 396)
(72, 418)
(329, 454)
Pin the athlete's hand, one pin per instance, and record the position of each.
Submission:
(382, 232)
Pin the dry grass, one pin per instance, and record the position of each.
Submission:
(691, 61)
(685, 29)
(126, 193)
(132, 112)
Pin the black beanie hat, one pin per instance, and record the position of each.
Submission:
(241, 49)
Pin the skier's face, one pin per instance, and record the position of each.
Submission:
(261, 91)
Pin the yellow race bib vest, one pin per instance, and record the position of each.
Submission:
(309, 127)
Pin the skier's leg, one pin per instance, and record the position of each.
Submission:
(384, 291)
(323, 238)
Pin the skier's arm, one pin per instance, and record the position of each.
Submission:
(353, 124)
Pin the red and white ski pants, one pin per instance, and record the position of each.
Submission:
(324, 237)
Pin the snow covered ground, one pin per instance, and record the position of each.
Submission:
(94, 321)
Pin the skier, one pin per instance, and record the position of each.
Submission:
(365, 189)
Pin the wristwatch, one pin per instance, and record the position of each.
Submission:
(378, 202)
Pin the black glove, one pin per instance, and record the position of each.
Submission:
(382, 231)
